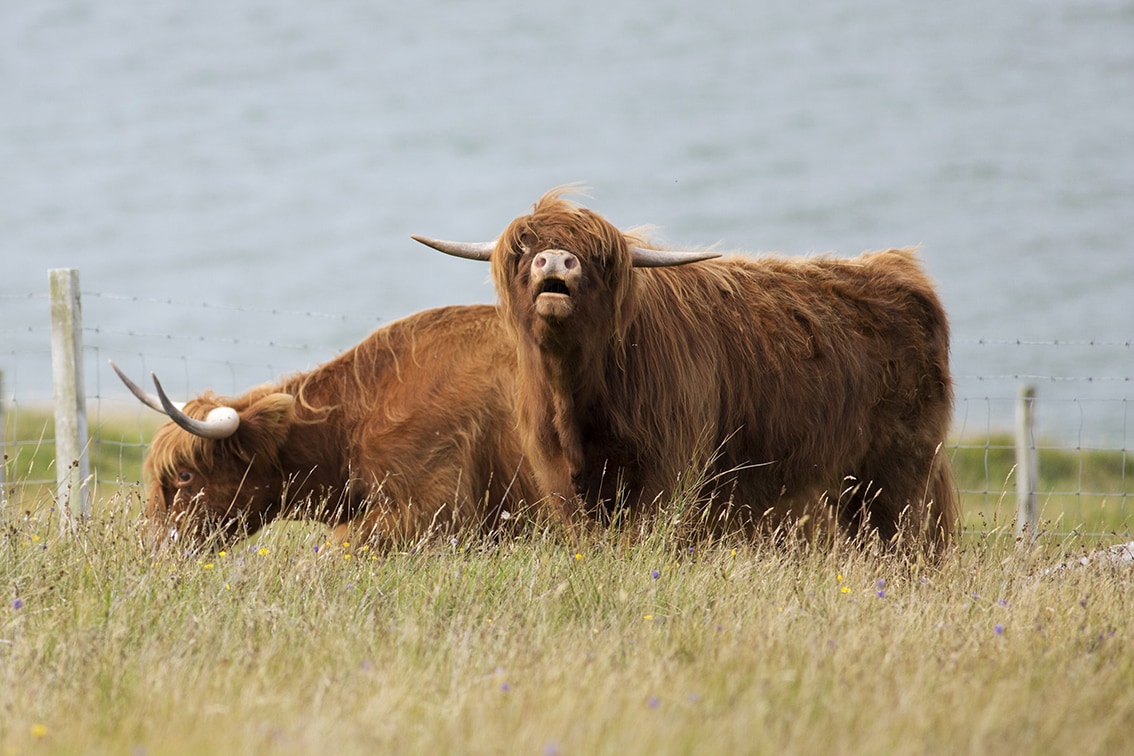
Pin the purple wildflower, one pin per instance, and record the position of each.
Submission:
(999, 629)
(18, 604)
(654, 702)
(655, 574)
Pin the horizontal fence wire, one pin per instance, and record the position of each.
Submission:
(1083, 403)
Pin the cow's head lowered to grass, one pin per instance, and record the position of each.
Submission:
(214, 471)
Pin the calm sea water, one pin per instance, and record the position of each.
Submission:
(240, 158)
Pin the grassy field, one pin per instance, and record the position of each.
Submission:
(543, 645)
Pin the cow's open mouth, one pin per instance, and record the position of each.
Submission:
(553, 299)
(554, 286)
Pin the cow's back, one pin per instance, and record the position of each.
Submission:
(822, 368)
(436, 437)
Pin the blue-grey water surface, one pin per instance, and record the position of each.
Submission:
(240, 158)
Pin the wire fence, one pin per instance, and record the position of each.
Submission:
(1082, 434)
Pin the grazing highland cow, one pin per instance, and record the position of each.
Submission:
(804, 391)
(412, 430)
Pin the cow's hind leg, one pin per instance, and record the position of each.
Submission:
(906, 497)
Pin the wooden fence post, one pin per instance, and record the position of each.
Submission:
(1027, 463)
(72, 463)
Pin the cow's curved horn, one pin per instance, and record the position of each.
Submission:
(468, 250)
(643, 257)
(221, 422)
(145, 398)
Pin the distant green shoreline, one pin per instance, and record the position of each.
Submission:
(1079, 491)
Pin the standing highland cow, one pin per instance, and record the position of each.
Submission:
(802, 390)
(413, 430)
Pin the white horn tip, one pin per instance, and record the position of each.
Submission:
(226, 419)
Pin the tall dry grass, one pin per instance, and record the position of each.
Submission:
(543, 645)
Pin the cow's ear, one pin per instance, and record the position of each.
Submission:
(265, 423)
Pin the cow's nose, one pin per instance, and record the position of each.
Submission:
(555, 261)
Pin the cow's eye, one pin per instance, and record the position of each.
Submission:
(184, 478)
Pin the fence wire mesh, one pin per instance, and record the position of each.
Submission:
(1083, 399)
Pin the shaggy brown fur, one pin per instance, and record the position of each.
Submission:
(805, 389)
(413, 429)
